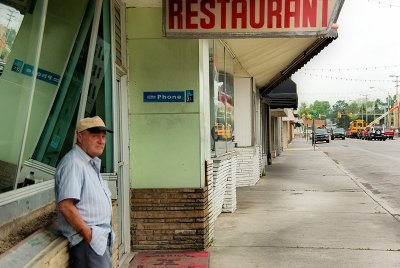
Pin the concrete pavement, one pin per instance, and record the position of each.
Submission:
(306, 212)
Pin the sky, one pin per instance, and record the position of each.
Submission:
(358, 64)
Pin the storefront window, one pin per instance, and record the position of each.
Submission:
(48, 121)
(57, 137)
(18, 33)
(222, 98)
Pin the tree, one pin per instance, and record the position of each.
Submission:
(321, 107)
(354, 107)
(304, 109)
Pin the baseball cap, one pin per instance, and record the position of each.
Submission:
(92, 124)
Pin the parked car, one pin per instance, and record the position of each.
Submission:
(348, 133)
(364, 133)
(321, 134)
(389, 133)
(376, 133)
(338, 133)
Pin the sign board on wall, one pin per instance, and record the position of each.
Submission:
(169, 96)
(24, 68)
(248, 18)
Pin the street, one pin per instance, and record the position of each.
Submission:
(372, 163)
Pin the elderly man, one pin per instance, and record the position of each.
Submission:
(83, 198)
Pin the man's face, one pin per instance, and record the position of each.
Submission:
(92, 143)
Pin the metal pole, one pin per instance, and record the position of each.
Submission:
(397, 81)
(313, 131)
(366, 112)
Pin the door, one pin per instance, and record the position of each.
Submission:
(122, 154)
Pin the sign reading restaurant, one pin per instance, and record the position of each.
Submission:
(247, 18)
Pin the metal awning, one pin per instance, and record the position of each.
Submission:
(271, 61)
(283, 96)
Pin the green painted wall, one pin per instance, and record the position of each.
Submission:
(59, 34)
(165, 142)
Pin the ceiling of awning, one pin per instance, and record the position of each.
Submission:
(268, 60)
(271, 61)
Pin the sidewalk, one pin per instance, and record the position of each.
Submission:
(305, 212)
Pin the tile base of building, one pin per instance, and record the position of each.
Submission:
(169, 219)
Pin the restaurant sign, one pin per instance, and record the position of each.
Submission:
(248, 18)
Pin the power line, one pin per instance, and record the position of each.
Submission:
(344, 78)
(380, 2)
(353, 68)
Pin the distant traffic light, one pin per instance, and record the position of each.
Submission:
(339, 115)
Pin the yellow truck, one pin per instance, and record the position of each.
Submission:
(222, 132)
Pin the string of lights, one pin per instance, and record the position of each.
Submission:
(344, 78)
(353, 68)
(380, 2)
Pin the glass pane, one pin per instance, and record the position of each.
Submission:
(60, 32)
(221, 97)
(229, 101)
(57, 137)
(16, 69)
(99, 99)
(58, 134)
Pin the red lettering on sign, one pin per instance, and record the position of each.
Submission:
(261, 16)
(275, 11)
(236, 14)
(175, 11)
(203, 8)
(325, 13)
(289, 13)
(190, 14)
(310, 13)
(223, 12)
(247, 15)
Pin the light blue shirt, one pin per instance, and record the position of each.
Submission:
(78, 177)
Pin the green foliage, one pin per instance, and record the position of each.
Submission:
(355, 109)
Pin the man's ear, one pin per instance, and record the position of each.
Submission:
(78, 136)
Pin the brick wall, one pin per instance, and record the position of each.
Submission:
(210, 204)
(248, 166)
(229, 203)
(167, 219)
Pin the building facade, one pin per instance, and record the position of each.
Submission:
(191, 116)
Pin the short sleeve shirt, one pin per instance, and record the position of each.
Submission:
(78, 178)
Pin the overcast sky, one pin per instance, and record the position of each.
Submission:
(369, 39)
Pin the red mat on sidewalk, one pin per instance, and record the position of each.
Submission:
(176, 259)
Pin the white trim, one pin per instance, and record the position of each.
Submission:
(90, 58)
(33, 87)
(12, 196)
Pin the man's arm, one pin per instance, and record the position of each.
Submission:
(72, 216)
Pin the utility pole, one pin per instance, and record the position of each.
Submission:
(366, 112)
(373, 118)
(389, 118)
(10, 18)
(397, 115)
